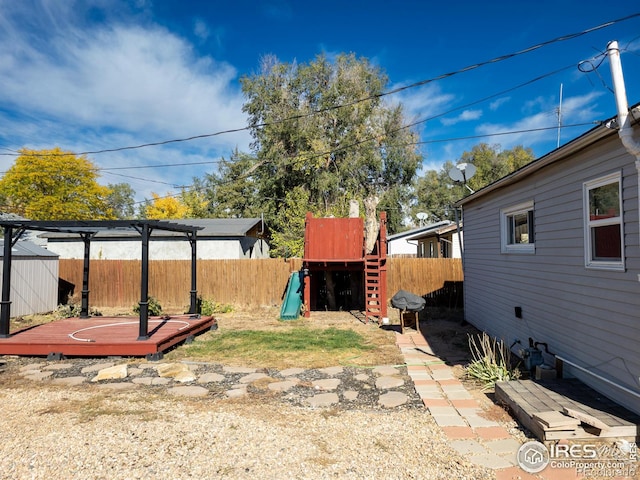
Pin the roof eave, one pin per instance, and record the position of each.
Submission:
(589, 138)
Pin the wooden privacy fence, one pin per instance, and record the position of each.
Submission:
(254, 282)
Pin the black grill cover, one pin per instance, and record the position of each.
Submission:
(408, 301)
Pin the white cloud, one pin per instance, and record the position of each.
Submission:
(539, 128)
(83, 87)
(496, 104)
(464, 116)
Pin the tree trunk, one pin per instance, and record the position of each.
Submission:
(331, 291)
(371, 224)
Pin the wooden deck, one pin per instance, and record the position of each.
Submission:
(531, 401)
(104, 336)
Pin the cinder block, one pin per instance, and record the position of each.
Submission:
(545, 372)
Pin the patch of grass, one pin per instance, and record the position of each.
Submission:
(491, 361)
(295, 346)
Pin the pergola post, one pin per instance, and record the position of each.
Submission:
(143, 332)
(5, 303)
(193, 293)
(84, 305)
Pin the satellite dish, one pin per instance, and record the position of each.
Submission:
(421, 215)
(462, 172)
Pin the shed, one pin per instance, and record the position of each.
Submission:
(218, 238)
(34, 279)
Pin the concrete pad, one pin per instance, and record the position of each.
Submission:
(350, 395)
(490, 460)
(449, 420)
(188, 391)
(362, 377)
(227, 369)
(210, 378)
(459, 395)
(291, 371)
(469, 447)
(492, 433)
(117, 386)
(326, 384)
(331, 370)
(236, 392)
(504, 446)
(69, 381)
(37, 375)
(442, 374)
(459, 433)
(387, 382)
(386, 370)
(58, 366)
(476, 421)
(32, 367)
(392, 399)
(97, 367)
(160, 381)
(252, 377)
(443, 411)
(323, 400)
(435, 402)
(142, 380)
(283, 386)
(514, 473)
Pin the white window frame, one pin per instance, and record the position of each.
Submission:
(505, 220)
(589, 262)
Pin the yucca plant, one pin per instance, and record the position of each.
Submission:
(491, 361)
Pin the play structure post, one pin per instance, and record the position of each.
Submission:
(5, 304)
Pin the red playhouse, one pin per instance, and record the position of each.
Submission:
(338, 273)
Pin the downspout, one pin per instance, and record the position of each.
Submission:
(625, 130)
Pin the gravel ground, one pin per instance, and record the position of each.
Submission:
(87, 432)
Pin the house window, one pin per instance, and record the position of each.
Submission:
(603, 223)
(517, 232)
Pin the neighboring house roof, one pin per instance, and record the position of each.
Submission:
(411, 234)
(605, 129)
(24, 248)
(438, 230)
(210, 227)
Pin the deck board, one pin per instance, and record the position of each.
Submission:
(104, 336)
(528, 397)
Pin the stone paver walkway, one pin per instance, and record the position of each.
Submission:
(459, 415)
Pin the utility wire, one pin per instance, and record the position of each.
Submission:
(370, 97)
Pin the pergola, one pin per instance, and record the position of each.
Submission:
(13, 230)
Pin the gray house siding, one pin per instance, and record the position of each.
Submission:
(588, 317)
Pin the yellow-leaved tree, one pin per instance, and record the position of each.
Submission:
(165, 208)
(54, 185)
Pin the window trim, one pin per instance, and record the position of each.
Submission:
(615, 265)
(505, 214)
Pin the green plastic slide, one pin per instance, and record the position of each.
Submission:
(293, 298)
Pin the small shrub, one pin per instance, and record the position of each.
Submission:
(70, 310)
(209, 307)
(491, 361)
(154, 309)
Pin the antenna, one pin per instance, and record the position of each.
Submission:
(559, 114)
(463, 172)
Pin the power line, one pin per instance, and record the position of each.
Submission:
(370, 97)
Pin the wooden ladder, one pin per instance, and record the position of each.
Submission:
(373, 292)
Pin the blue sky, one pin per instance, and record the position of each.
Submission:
(103, 74)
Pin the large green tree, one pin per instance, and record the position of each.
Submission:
(436, 192)
(323, 136)
(54, 185)
(121, 200)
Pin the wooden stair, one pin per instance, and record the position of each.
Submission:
(373, 298)
(375, 277)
